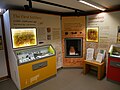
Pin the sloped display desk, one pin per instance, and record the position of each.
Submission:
(100, 68)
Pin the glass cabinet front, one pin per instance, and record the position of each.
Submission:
(115, 50)
(34, 53)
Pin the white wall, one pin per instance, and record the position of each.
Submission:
(3, 67)
(11, 55)
(41, 22)
(17, 19)
(108, 29)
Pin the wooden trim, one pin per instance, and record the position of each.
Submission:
(5, 47)
(3, 78)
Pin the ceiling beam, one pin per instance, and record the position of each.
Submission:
(58, 5)
(113, 8)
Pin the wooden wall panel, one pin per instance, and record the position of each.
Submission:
(74, 26)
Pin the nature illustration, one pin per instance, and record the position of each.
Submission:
(92, 34)
(24, 38)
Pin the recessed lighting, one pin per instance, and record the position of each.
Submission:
(92, 5)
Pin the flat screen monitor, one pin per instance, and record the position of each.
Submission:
(22, 37)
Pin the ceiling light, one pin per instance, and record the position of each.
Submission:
(90, 3)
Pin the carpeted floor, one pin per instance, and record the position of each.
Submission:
(68, 79)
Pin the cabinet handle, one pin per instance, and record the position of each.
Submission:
(118, 65)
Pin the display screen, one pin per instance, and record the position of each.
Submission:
(22, 37)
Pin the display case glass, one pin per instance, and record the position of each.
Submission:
(34, 53)
(73, 47)
(22, 37)
(115, 50)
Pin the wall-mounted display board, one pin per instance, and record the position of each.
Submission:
(108, 24)
(73, 41)
(92, 34)
(48, 28)
(22, 37)
(26, 56)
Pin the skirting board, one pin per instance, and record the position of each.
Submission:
(4, 78)
(116, 82)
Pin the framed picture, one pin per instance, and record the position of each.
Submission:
(22, 37)
(92, 34)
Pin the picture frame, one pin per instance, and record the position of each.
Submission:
(23, 37)
(92, 34)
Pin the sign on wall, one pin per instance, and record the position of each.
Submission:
(48, 28)
(92, 34)
(108, 24)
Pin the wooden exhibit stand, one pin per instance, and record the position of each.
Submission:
(100, 68)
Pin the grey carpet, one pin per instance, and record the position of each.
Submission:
(68, 79)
